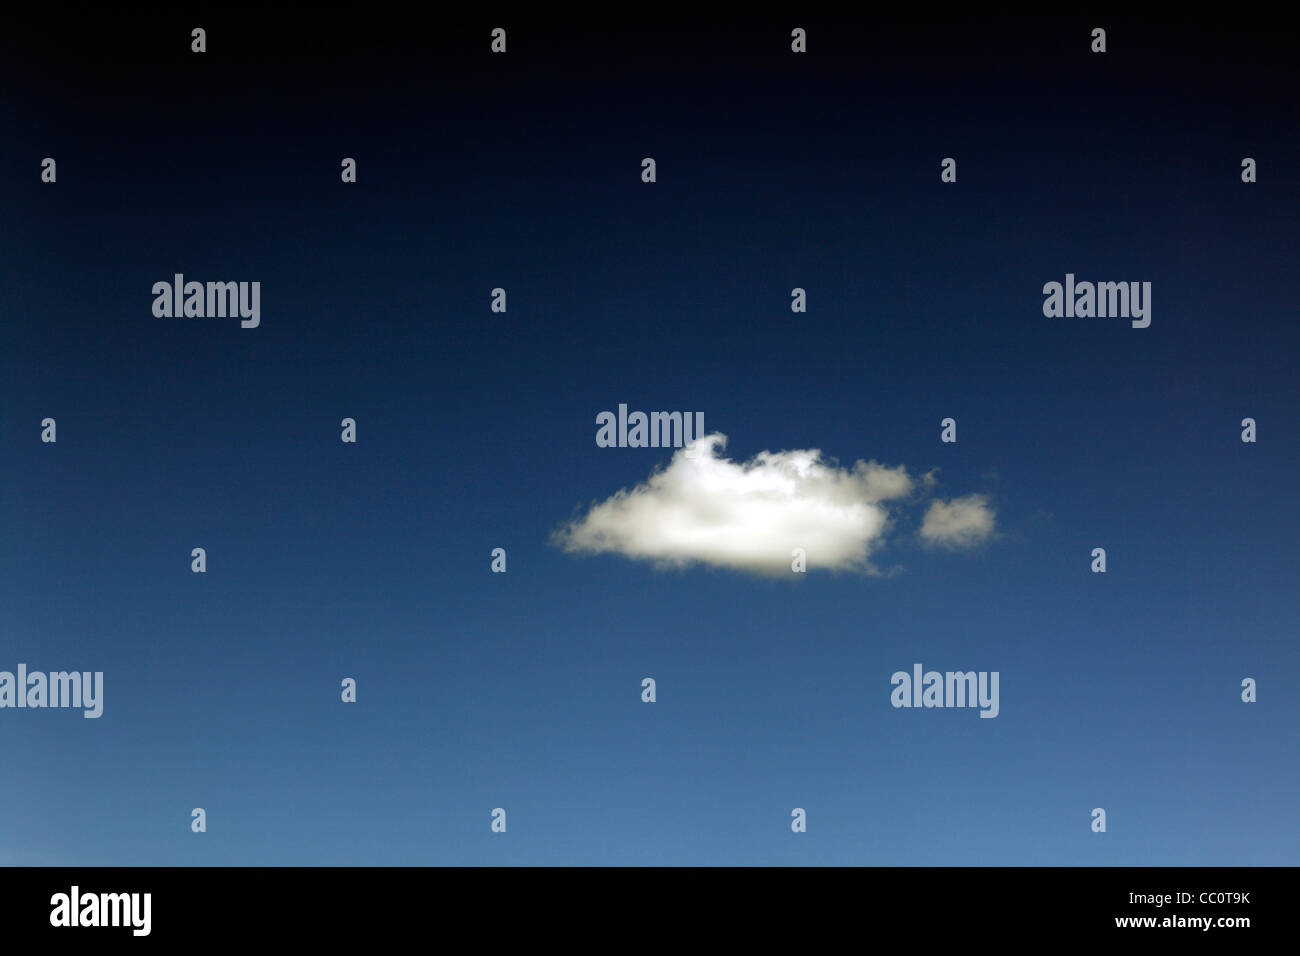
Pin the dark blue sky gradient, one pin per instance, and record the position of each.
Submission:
(476, 430)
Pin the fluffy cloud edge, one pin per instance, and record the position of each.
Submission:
(755, 516)
(959, 524)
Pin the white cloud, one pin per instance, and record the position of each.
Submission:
(707, 509)
(959, 523)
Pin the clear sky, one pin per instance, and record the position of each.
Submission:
(476, 430)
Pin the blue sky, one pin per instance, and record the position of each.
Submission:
(476, 431)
